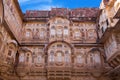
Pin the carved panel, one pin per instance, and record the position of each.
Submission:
(59, 53)
(31, 56)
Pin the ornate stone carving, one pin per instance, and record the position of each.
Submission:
(60, 44)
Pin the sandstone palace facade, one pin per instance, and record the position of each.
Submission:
(60, 44)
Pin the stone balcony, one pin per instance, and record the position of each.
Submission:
(59, 68)
(58, 72)
(114, 60)
(32, 70)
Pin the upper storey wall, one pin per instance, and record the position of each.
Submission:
(39, 23)
(13, 16)
(59, 29)
(73, 26)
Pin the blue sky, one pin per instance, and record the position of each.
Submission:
(48, 4)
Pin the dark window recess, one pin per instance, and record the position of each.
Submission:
(111, 19)
(107, 22)
(102, 30)
(98, 28)
(59, 46)
(16, 59)
(27, 60)
(9, 52)
(48, 24)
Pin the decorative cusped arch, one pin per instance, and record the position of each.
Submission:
(13, 44)
(91, 34)
(94, 58)
(11, 51)
(25, 55)
(97, 49)
(59, 53)
(64, 42)
(28, 34)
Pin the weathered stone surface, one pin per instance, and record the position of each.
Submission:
(60, 44)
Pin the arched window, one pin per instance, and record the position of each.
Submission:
(76, 34)
(97, 58)
(11, 50)
(59, 53)
(79, 59)
(42, 32)
(65, 31)
(52, 31)
(59, 32)
(67, 57)
(91, 34)
(21, 57)
(59, 56)
(10, 54)
(39, 59)
(51, 57)
(27, 34)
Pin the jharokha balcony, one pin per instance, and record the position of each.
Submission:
(114, 59)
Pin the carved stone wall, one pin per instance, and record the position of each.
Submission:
(8, 50)
(59, 29)
(60, 44)
(12, 17)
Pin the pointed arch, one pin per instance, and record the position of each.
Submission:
(47, 46)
